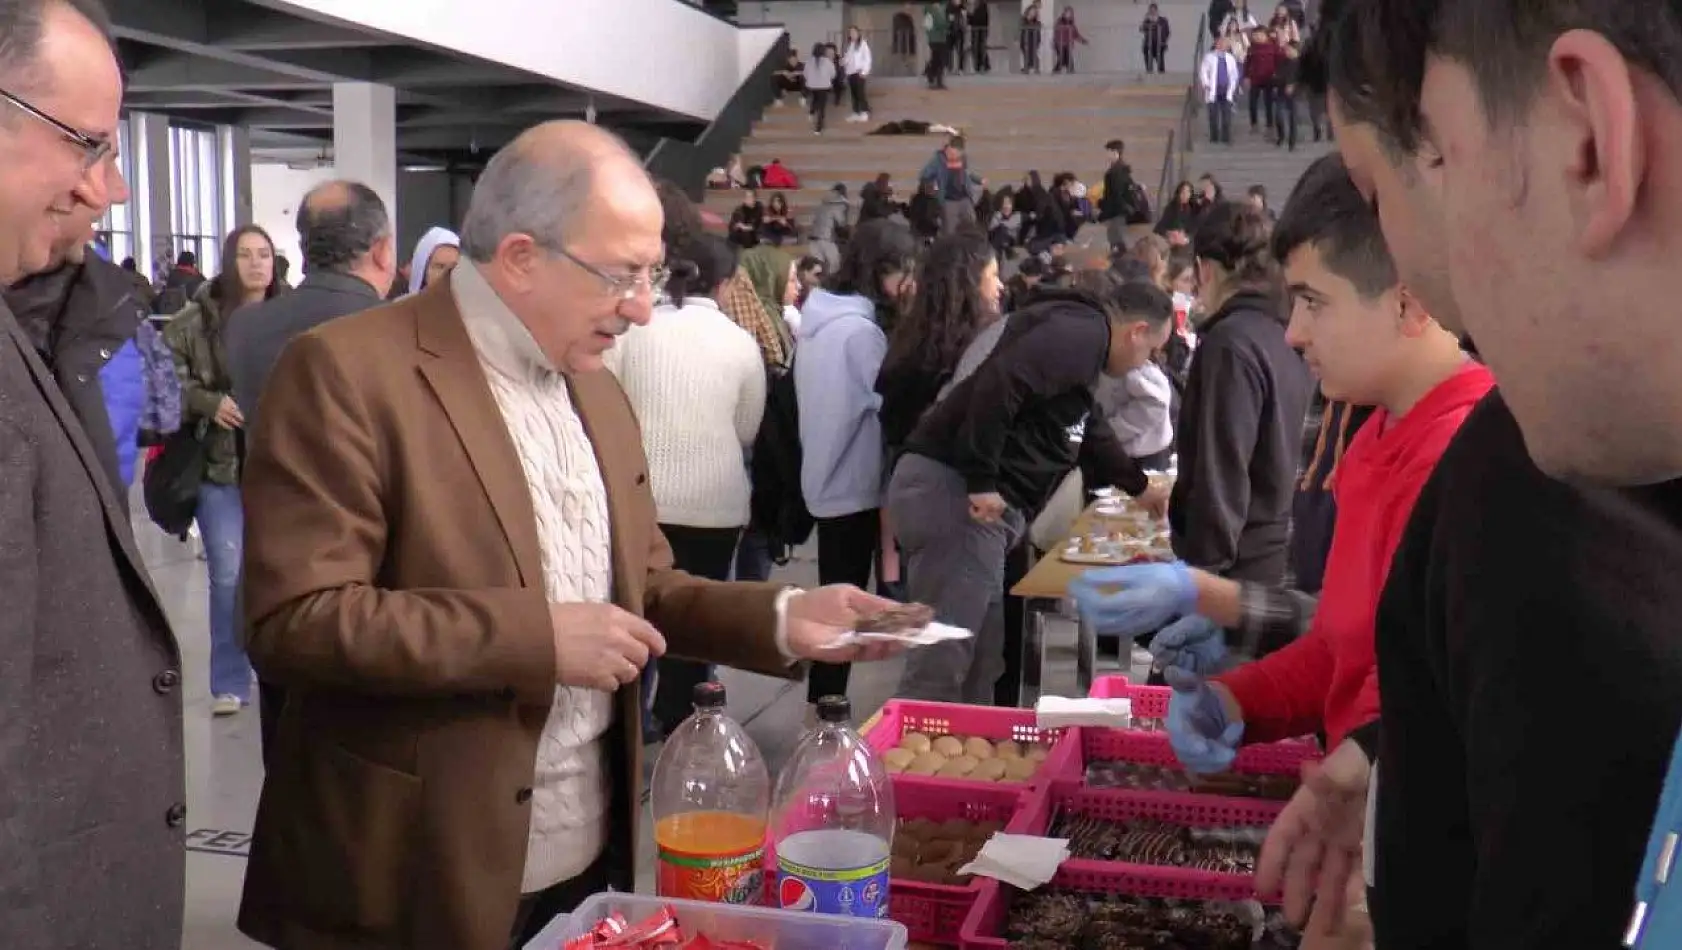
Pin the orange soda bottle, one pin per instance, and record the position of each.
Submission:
(711, 792)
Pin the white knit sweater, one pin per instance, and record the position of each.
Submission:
(697, 383)
(570, 788)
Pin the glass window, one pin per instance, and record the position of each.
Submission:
(116, 230)
(196, 174)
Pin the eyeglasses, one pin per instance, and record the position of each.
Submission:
(623, 286)
(94, 149)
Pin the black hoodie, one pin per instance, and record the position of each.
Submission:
(1240, 442)
(1019, 424)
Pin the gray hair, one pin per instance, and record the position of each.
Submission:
(23, 27)
(540, 192)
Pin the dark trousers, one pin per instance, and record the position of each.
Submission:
(1261, 94)
(1220, 120)
(847, 550)
(1285, 111)
(959, 48)
(936, 71)
(1007, 692)
(978, 47)
(1156, 57)
(861, 99)
(817, 100)
(703, 552)
(1317, 116)
(1063, 59)
(753, 556)
(1031, 51)
(537, 911)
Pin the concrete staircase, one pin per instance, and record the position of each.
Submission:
(1253, 159)
(1012, 124)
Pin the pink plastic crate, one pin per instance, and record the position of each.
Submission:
(900, 716)
(1070, 757)
(1182, 808)
(934, 913)
(984, 926)
(1148, 701)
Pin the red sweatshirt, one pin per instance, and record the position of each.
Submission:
(1329, 679)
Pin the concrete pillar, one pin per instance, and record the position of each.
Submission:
(152, 190)
(365, 138)
(236, 153)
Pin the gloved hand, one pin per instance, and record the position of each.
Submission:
(1204, 737)
(1193, 644)
(1149, 596)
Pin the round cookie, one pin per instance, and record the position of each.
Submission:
(916, 742)
(926, 763)
(978, 747)
(1007, 749)
(1036, 752)
(948, 746)
(1020, 770)
(992, 770)
(897, 760)
(959, 766)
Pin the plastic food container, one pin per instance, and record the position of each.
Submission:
(933, 913)
(900, 716)
(772, 929)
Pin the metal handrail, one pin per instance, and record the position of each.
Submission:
(1188, 110)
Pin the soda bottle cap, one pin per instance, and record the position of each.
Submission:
(834, 709)
(709, 695)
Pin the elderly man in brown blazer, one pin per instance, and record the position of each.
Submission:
(453, 566)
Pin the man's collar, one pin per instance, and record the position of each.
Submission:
(498, 334)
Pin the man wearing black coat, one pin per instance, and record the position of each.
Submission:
(1119, 206)
(350, 262)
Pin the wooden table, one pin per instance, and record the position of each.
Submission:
(1044, 590)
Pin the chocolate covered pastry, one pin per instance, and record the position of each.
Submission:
(1115, 922)
(1146, 841)
(1162, 778)
(896, 619)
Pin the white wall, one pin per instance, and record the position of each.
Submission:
(626, 48)
(275, 193)
(807, 22)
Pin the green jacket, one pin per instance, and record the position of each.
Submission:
(936, 23)
(201, 364)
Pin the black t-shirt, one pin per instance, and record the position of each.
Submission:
(1529, 645)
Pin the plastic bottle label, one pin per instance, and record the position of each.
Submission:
(731, 878)
(849, 892)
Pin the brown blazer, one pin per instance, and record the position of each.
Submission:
(394, 587)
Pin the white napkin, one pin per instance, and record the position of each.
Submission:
(1022, 861)
(933, 633)
(1056, 712)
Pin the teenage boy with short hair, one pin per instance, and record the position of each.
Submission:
(1370, 342)
(1555, 141)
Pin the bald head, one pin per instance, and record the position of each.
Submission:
(339, 224)
(541, 185)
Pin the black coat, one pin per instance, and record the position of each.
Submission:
(92, 784)
(1239, 437)
(256, 334)
(78, 317)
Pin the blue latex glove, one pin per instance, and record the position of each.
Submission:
(1193, 644)
(1205, 740)
(1134, 599)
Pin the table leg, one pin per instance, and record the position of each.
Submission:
(1033, 650)
(1086, 655)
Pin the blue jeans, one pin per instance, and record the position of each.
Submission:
(222, 524)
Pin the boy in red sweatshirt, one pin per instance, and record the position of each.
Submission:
(1369, 342)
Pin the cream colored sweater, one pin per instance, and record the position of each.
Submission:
(569, 803)
(697, 383)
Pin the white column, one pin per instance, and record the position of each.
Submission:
(235, 142)
(365, 138)
(153, 191)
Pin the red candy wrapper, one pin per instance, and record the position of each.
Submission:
(658, 932)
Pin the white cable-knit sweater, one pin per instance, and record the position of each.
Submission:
(697, 383)
(569, 791)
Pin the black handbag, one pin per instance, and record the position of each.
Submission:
(171, 482)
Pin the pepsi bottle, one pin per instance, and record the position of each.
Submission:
(833, 821)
